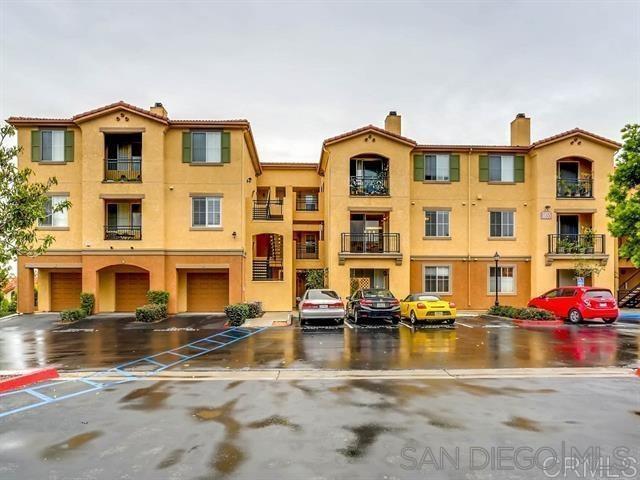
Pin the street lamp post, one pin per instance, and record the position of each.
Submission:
(496, 258)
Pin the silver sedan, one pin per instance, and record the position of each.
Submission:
(321, 304)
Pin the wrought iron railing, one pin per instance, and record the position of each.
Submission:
(574, 188)
(267, 270)
(370, 243)
(307, 250)
(306, 203)
(267, 209)
(123, 169)
(369, 185)
(122, 232)
(576, 244)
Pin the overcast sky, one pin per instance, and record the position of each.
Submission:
(457, 72)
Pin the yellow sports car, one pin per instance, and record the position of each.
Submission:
(422, 307)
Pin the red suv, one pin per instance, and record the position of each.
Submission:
(579, 303)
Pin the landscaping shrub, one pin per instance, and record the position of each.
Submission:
(87, 301)
(255, 309)
(237, 313)
(527, 313)
(13, 305)
(151, 313)
(72, 315)
(158, 297)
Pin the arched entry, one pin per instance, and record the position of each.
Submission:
(122, 288)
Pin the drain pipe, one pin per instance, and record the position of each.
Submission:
(469, 227)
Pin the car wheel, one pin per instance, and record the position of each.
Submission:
(609, 320)
(413, 318)
(451, 321)
(355, 316)
(340, 321)
(395, 321)
(575, 316)
(303, 322)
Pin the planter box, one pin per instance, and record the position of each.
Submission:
(538, 323)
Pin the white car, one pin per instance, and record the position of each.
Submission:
(321, 304)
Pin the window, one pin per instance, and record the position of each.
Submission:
(436, 223)
(502, 224)
(501, 168)
(52, 145)
(55, 219)
(206, 211)
(437, 279)
(436, 167)
(506, 279)
(206, 147)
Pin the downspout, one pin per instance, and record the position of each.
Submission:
(469, 227)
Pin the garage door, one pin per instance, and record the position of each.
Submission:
(65, 290)
(207, 292)
(131, 291)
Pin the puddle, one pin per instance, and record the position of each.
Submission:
(227, 458)
(173, 458)
(234, 384)
(55, 452)
(637, 412)
(366, 435)
(522, 423)
(440, 422)
(306, 390)
(275, 420)
(147, 398)
(221, 415)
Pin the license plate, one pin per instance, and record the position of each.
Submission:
(438, 314)
(603, 305)
(324, 306)
(381, 305)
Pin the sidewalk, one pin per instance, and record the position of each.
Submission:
(270, 319)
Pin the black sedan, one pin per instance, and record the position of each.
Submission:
(373, 303)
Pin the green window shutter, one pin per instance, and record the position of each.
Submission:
(454, 168)
(69, 140)
(186, 147)
(518, 168)
(226, 147)
(36, 154)
(483, 175)
(418, 167)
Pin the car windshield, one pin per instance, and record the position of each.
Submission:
(322, 295)
(604, 294)
(377, 294)
(428, 298)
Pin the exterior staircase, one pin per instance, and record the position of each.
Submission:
(629, 297)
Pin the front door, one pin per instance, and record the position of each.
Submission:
(569, 225)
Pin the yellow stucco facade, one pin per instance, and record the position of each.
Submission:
(151, 209)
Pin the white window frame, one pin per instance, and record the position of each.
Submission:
(507, 165)
(442, 174)
(213, 147)
(492, 291)
(58, 219)
(57, 146)
(207, 199)
(449, 267)
(439, 213)
(502, 223)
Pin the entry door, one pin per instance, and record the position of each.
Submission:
(569, 225)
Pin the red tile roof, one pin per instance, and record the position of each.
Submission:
(367, 128)
(574, 131)
(290, 165)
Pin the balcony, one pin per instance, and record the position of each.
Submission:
(373, 245)
(582, 245)
(123, 169)
(122, 232)
(268, 209)
(307, 202)
(307, 251)
(566, 188)
(369, 185)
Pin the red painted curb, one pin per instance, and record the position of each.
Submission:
(638, 372)
(27, 378)
(538, 323)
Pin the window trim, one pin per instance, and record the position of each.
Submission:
(515, 279)
(513, 169)
(65, 197)
(502, 210)
(436, 210)
(218, 227)
(431, 265)
(424, 167)
(197, 162)
(51, 162)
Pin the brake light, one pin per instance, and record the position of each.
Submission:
(394, 302)
(364, 301)
(452, 305)
(336, 305)
(421, 306)
(308, 305)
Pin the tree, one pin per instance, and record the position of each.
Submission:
(315, 278)
(22, 204)
(624, 195)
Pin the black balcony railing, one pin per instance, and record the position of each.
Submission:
(576, 244)
(123, 169)
(369, 185)
(307, 251)
(370, 243)
(267, 209)
(306, 203)
(574, 188)
(122, 232)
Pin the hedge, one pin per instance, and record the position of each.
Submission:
(72, 315)
(151, 313)
(255, 309)
(527, 313)
(158, 297)
(87, 302)
(237, 313)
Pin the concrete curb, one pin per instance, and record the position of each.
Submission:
(28, 377)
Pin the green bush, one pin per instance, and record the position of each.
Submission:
(158, 297)
(151, 313)
(521, 313)
(87, 301)
(4, 305)
(13, 305)
(237, 313)
(72, 315)
(255, 309)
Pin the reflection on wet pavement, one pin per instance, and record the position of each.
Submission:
(60, 450)
(476, 344)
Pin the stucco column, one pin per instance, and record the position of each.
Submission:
(171, 285)
(235, 280)
(25, 288)
(90, 284)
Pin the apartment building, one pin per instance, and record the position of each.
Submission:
(186, 206)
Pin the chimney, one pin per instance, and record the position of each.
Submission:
(158, 109)
(521, 130)
(393, 123)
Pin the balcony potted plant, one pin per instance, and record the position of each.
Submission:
(588, 240)
(585, 186)
(564, 245)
